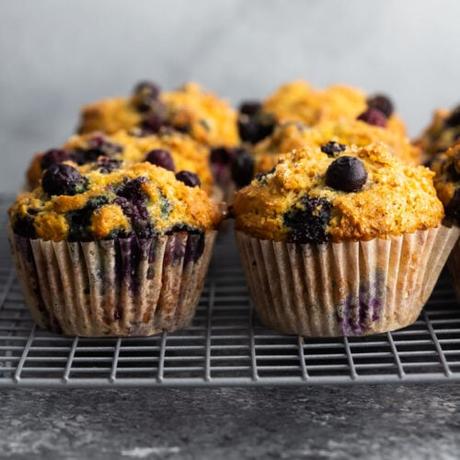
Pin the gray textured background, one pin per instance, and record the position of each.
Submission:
(56, 55)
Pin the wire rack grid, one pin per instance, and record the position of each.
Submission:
(225, 345)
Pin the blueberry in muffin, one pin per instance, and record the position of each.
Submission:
(341, 240)
(121, 252)
(171, 150)
(189, 109)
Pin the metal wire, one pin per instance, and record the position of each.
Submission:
(225, 345)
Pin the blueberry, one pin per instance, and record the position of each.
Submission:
(307, 221)
(161, 158)
(53, 156)
(107, 165)
(222, 155)
(80, 220)
(254, 129)
(84, 156)
(453, 119)
(188, 178)
(147, 87)
(145, 94)
(152, 123)
(97, 146)
(24, 226)
(132, 200)
(347, 174)
(382, 103)
(250, 108)
(243, 168)
(374, 117)
(132, 189)
(332, 148)
(62, 179)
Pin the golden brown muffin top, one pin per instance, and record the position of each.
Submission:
(295, 135)
(299, 101)
(142, 200)
(108, 152)
(441, 133)
(446, 166)
(207, 118)
(349, 193)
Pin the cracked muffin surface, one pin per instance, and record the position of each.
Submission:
(97, 151)
(141, 200)
(344, 193)
(299, 101)
(190, 109)
(296, 135)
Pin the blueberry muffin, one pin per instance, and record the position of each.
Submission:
(169, 149)
(120, 253)
(344, 241)
(299, 101)
(441, 133)
(446, 166)
(329, 136)
(189, 109)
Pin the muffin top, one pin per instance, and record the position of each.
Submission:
(342, 193)
(189, 109)
(141, 199)
(96, 151)
(446, 166)
(299, 101)
(441, 133)
(295, 135)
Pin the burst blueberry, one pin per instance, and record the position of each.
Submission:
(24, 226)
(347, 174)
(54, 156)
(152, 123)
(332, 148)
(307, 221)
(374, 117)
(62, 179)
(188, 178)
(161, 158)
(107, 165)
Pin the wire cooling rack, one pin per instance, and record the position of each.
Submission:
(225, 345)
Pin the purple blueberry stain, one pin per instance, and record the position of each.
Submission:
(356, 315)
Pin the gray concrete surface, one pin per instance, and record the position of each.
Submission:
(56, 55)
(359, 422)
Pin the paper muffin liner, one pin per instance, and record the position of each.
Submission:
(453, 264)
(121, 287)
(344, 289)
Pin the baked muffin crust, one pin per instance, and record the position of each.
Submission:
(296, 135)
(191, 109)
(307, 197)
(141, 199)
(101, 151)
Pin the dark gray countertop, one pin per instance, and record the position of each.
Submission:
(360, 421)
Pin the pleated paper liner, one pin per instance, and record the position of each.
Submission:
(344, 289)
(121, 287)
